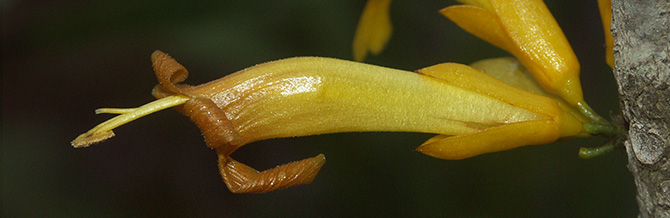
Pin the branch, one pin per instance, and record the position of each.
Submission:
(642, 69)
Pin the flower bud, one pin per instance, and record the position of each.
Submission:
(527, 30)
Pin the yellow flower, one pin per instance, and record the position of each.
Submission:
(527, 30)
(605, 7)
(473, 112)
(374, 29)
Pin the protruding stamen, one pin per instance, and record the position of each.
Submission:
(104, 130)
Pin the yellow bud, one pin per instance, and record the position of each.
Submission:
(526, 29)
(374, 29)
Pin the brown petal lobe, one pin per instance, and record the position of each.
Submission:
(168, 71)
(241, 178)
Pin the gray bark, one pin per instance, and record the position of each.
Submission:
(641, 30)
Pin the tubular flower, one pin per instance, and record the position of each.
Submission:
(374, 29)
(527, 30)
(605, 7)
(472, 112)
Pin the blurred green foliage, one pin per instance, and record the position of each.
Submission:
(63, 59)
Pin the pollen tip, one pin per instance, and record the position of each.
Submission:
(87, 139)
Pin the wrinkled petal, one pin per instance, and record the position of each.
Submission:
(374, 29)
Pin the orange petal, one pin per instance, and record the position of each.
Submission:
(241, 178)
(168, 71)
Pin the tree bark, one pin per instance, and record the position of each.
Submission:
(641, 31)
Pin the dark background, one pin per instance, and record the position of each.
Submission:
(63, 59)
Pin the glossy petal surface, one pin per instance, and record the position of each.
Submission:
(309, 95)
